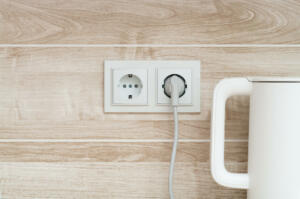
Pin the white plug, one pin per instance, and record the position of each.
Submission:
(174, 87)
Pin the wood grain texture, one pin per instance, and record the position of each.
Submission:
(111, 180)
(115, 152)
(113, 170)
(107, 129)
(149, 22)
(7, 87)
(58, 92)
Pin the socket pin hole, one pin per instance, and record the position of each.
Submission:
(136, 86)
(130, 75)
(129, 96)
(130, 86)
(124, 85)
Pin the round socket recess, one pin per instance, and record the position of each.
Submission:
(185, 73)
(129, 87)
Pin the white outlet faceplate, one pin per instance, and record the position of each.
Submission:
(136, 86)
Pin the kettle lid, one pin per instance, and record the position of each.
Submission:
(274, 79)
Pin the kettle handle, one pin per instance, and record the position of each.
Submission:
(224, 89)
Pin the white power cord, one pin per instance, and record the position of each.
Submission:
(174, 87)
(172, 163)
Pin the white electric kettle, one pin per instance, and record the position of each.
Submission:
(274, 137)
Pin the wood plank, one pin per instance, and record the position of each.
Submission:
(115, 152)
(111, 181)
(7, 88)
(107, 129)
(154, 22)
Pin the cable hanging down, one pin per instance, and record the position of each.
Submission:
(174, 87)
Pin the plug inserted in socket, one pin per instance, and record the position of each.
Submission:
(130, 86)
(119, 96)
(163, 73)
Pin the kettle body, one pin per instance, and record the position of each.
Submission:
(274, 135)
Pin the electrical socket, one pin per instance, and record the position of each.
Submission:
(163, 73)
(130, 86)
(149, 95)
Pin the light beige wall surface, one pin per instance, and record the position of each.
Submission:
(150, 21)
(56, 141)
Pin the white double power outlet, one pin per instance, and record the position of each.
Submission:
(137, 86)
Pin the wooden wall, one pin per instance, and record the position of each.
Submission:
(56, 141)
